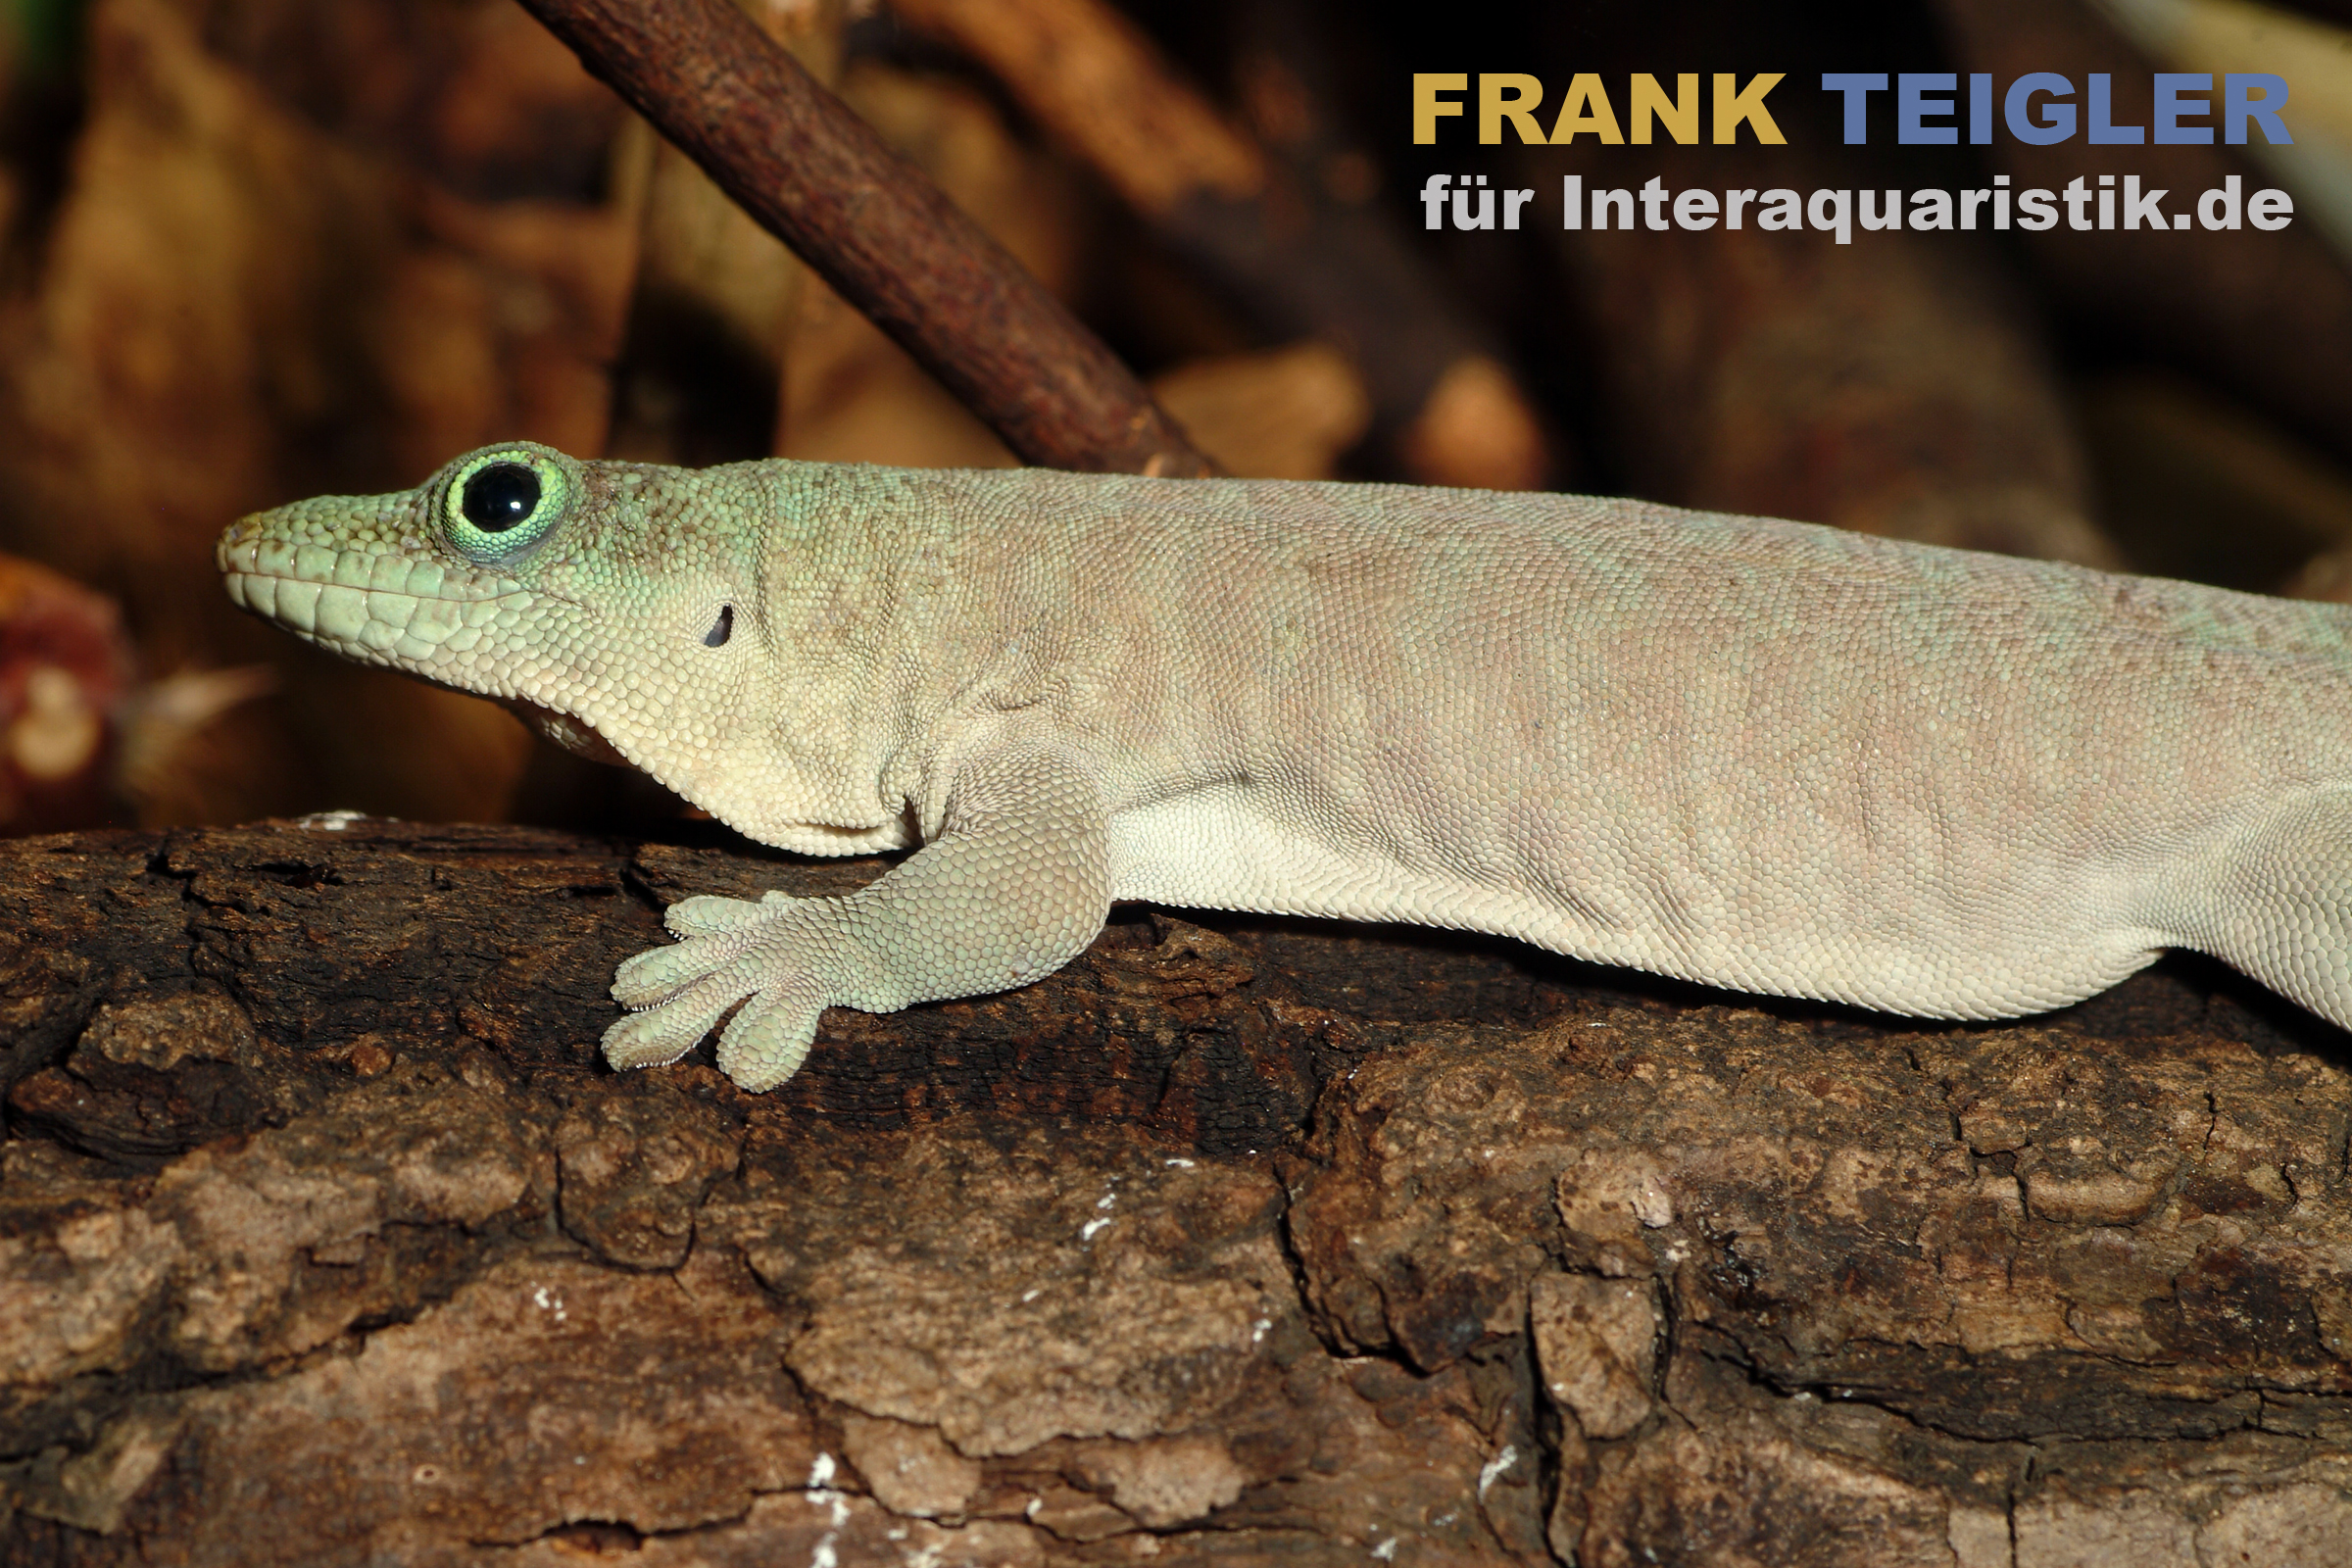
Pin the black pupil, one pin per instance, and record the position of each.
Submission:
(500, 497)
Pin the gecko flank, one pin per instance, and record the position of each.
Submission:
(1760, 755)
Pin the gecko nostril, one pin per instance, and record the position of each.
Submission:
(720, 629)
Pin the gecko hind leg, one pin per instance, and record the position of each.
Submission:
(2280, 906)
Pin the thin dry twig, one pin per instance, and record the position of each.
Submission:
(876, 229)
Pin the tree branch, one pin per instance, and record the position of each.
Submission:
(876, 228)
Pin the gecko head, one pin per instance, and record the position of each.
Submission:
(603, 601)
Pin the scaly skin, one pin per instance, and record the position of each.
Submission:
(1760, 755)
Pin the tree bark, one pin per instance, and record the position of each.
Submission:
(323, 1239)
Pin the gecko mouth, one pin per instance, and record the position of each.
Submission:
(576, 735)
(422, 617)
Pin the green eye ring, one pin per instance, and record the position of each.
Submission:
(503, 500)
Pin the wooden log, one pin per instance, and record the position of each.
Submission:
(879, 233)
(322, 1238)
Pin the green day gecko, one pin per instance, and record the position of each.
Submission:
(1760, 755)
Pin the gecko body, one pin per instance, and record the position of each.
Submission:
(1760, 755)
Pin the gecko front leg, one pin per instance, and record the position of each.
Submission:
(1016, 885)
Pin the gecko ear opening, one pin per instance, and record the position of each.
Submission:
(720, 629)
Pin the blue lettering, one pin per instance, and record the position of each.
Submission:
(2101, 131)
(1915, 105)
(2058, 123)
(2238, 107)
(2171, 106)
(1857, 85)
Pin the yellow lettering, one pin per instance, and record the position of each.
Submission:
(1587, 108)
(1428, 106)
(1519, 108)
(1679, 115)
(1748, 104)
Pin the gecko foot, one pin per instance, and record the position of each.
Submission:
(734, 951)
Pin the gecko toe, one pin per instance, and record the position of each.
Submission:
(707, 915)
(768, 1040)
(657, 974)
(661, 1035)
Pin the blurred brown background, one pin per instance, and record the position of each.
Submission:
(252, 250)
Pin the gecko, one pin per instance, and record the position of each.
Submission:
(1765, 756)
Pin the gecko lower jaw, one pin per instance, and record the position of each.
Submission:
(576, 735)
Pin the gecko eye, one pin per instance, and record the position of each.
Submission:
(497, 498)
(720, 629)
(503, 501)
